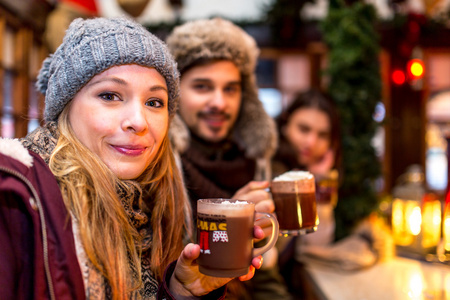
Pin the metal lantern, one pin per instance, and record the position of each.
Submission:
(416, 214)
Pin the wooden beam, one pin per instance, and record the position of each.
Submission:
(20, 103)
(2, 69)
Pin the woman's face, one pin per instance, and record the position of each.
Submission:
(308, 130)
(122, 116)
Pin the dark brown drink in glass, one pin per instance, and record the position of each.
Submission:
(225, 236)
(295, 202)
(327, 188)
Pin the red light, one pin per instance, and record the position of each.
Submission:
(416, 69)
(398, 77)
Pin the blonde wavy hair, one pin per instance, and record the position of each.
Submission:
(109, 239)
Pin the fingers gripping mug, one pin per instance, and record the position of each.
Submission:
(225, 235)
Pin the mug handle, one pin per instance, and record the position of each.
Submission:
(273, 238)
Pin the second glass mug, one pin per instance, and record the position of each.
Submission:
(294, 195)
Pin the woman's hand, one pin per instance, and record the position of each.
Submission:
(324, 165)
(187, 281)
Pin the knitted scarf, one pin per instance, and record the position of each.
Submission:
(43, 141)
(207, 168)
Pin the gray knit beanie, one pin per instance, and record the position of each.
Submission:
(94, 45)
(221, 39)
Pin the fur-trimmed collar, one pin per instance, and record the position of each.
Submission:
(13, 148)
(257, 135)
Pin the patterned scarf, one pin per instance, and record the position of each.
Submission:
(207, 168)
(43, 141)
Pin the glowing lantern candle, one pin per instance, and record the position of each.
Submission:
(431, 221)
(416, 215)
(415, 221)
(406, 222)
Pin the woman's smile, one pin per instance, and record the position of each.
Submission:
(130, 150)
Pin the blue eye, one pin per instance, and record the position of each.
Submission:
(155, 103)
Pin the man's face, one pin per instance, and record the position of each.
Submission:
(211, 99)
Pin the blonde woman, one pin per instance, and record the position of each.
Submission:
(92, 204)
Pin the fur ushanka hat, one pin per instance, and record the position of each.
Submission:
(221, 39)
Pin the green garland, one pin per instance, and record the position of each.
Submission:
(355, 85)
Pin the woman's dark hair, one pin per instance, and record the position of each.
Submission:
(321, 101)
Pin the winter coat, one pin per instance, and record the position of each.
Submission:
(38, 259)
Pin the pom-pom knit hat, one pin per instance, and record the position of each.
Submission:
(92, 46)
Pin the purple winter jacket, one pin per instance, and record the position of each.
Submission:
(37, 249)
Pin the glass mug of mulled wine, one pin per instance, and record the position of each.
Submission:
(294, 195)
(225, 235)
